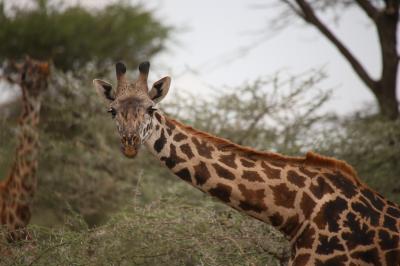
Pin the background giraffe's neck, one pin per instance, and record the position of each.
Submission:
(17, 190)
(247, 184)
(23, 172)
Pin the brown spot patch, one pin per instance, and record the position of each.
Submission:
(271, 173)
(221, 191)
(306, 238)
(276, 219)
(296, 178)
(390, 223)
(179, 137)
(329, 214)
(342, 183)
(283, 196)
(278, 164)
(370, 257)
(185, 148)
(328, 245)
(291, 226)
(247, 163)
(393, 258)
(184, 174)
(173, 158)
(321, 188)
(307, 205)
(307, 172)
(203, 148)
(358, 234)
(374, 198)
(252, 176)
(253, 199)
(170, 127)
(223, 172)
(201, 173)
(339, 260)
(301, 260)
(160, 142)
(228, 160)
(158, 117)
(388, 241)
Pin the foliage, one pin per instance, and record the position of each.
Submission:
(75, 36)
(371, 145)
(274, 112)
(165, 232)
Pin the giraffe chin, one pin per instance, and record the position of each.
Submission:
(129, 151)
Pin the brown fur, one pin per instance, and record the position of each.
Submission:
(311, 158)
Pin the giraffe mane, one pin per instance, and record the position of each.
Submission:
(311, 158)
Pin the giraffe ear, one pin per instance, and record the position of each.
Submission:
(160, 89)
(104, 89)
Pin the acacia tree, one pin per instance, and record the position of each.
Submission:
(385, 16)
(73, 36)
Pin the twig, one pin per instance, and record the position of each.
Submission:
(46, 251)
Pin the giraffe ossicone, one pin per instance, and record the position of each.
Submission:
(319, 203)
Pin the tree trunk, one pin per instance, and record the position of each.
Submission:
(387, 101)
(385, 90)
(386, 20)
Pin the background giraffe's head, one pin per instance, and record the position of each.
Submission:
(31, 75)
(131, 105)
(34, 76)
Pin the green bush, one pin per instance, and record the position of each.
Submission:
(74, 36)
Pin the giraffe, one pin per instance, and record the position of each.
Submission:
(329, 216)
(18, 188)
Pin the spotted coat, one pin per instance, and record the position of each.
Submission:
(327, 213)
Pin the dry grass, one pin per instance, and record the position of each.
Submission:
(166, 232)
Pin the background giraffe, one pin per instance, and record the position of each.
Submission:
(327, 213)
(18, 188)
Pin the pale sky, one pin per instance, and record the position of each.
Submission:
(213, 31)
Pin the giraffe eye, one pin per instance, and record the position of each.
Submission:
(113, 112)
(151, 110)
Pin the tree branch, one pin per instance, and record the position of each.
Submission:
(293, 8)
(310, 17)
(392, 7)
(371, 11)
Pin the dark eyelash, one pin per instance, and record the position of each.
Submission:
(113, 112)
(151, 110)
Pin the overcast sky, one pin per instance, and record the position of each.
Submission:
(212, 32)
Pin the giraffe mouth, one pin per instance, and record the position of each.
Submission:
(129, 151)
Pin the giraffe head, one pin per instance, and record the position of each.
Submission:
(32, 75)
(132, 105)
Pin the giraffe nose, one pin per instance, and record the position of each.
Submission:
(129, 145)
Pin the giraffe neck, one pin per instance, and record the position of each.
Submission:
(21, 182)
(250, 185)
